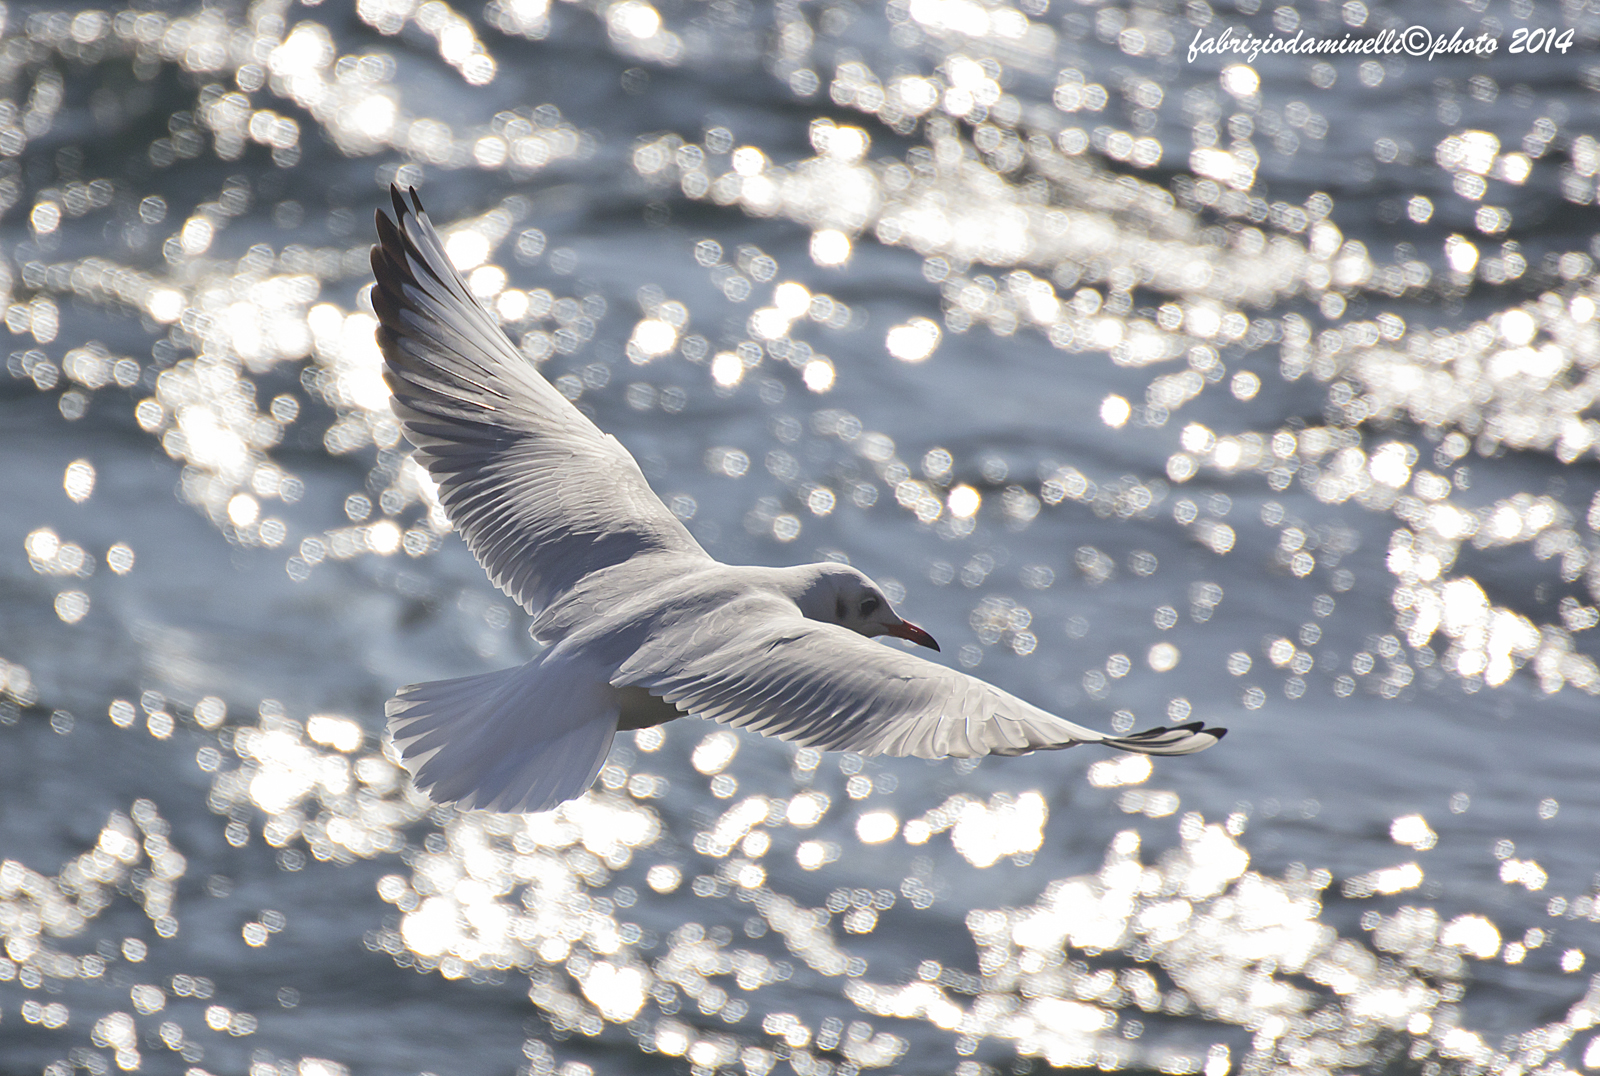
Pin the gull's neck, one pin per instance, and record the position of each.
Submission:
(803, 584)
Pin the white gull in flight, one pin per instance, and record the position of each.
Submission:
(639, 624)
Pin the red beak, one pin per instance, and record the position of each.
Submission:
(907, 630)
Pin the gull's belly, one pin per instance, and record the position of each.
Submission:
(642, 710)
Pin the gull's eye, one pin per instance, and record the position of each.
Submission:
(869, 606)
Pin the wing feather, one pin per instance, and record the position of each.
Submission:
(759, 665)
(540, 495)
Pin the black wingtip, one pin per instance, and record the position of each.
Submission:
(1183, 739)
(1200, 726)
(399, 202)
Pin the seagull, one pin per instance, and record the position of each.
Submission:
(639, 624)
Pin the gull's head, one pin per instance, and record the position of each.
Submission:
(839, 594)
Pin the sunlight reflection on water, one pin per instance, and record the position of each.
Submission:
(1394, 399)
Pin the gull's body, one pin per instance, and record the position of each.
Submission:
(640, 625)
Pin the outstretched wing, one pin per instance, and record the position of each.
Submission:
(541, 496)
(755, 663)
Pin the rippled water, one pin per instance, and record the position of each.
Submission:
(1255, 393)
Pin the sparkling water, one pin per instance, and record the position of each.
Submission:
(1157, 388)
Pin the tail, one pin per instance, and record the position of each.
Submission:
(1182, 740)
(521, 739)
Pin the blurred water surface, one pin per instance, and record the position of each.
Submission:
(1155, 389)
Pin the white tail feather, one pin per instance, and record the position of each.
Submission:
(521, 739)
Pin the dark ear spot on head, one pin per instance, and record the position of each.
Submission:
(838, 608)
